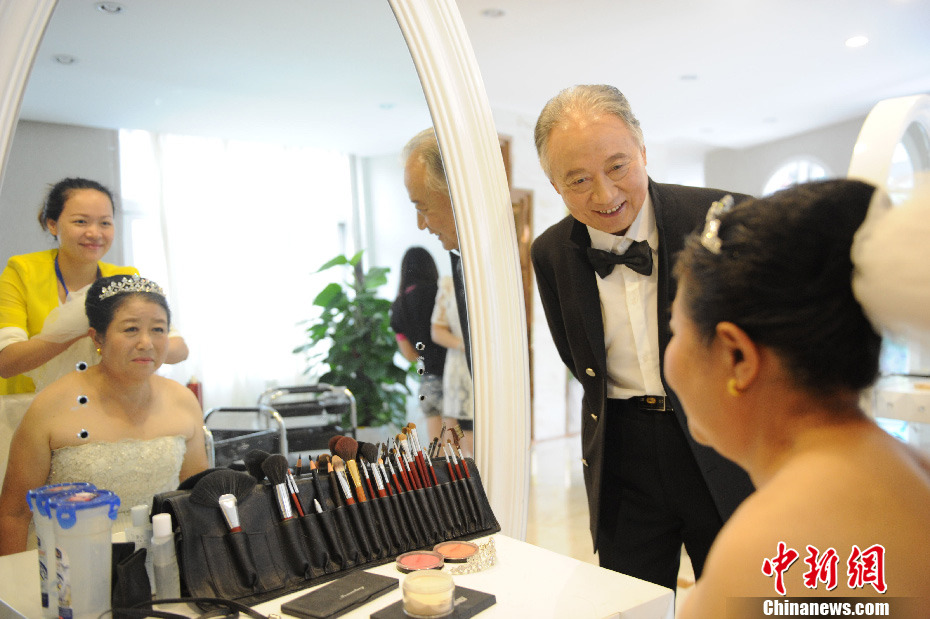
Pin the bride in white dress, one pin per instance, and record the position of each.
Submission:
(117, 424)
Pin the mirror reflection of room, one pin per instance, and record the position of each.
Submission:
(232, 187)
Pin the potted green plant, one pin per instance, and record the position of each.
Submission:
(353, 339)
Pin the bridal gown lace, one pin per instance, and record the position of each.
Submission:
(134, 469)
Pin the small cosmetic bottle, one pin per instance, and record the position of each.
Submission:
(164, 559)
(140, 533)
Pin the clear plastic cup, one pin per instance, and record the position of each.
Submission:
(42, 517)
(83, 552)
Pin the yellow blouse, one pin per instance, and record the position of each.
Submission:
(28, 293)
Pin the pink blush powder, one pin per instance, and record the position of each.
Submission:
(419, 560)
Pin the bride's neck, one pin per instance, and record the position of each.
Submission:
(131, 396)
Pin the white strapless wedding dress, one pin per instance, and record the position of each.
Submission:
(135, 469)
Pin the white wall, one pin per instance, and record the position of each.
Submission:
(41, 155)
(747, 170)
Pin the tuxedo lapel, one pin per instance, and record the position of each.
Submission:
(586, 295)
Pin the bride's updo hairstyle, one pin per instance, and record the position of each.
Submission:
(107, 294)
(779, 268)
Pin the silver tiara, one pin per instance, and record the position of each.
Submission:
(131, 284)
(709, 238)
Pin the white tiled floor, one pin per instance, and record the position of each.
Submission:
(557, 516)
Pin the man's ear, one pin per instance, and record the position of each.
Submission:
(741, 353)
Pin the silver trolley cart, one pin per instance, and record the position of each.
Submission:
(312, 414)
(232, 432)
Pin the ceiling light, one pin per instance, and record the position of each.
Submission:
(688, 77)
(64, 59)
(111, 8)
(493, 13)
(857, 41)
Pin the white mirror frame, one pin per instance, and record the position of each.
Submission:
(461, 115)
(883, 128)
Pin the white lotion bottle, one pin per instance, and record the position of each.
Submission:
(140, 533)
(164, 559)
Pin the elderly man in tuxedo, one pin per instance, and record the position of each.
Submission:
(603, 274)
(428, 190)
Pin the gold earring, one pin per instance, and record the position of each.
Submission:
(732, 389)
(98, 350)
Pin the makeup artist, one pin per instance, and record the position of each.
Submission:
(43, 329)
(116, 424)
(410, 320)
(769, 355)
(650, 487)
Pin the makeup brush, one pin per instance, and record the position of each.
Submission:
(292, 486)
(275, 468)
(401, 469)
(325, 463)
(411, 452)
(225, 488)
(347, 448)
(455, 461)
(315, 478)
(339, 469)
(387, 481)
(418, 449)
(411, 466)
(368, 455)
(332, 443)
(449, 455)
(298, 468)
(253, 463)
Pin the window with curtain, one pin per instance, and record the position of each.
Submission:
(234, 232)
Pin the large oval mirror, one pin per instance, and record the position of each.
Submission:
(331, 93)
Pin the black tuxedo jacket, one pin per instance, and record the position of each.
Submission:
(568, 287)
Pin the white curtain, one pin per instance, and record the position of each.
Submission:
(235, 230)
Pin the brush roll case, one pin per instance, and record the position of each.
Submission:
(271, 557)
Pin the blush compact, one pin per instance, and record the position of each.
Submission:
(419, 560)
(455, 551)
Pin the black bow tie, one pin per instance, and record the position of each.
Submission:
(638, 257)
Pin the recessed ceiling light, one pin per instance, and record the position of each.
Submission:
(64, 59)
(688, 77)
(493, 13)
(857, 41)
(111, 8)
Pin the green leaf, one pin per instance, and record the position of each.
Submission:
(354, 260)
(328, 295)
(334, 262)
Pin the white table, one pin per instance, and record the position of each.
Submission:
(527, 581)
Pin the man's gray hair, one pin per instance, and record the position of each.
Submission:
(583, 100)
(425, 147)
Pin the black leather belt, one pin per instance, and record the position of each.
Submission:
(652, 402)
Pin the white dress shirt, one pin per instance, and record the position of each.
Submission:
(629, 312)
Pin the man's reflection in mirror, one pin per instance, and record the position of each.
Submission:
(425, 179)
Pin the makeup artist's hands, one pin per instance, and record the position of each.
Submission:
(67, 322)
